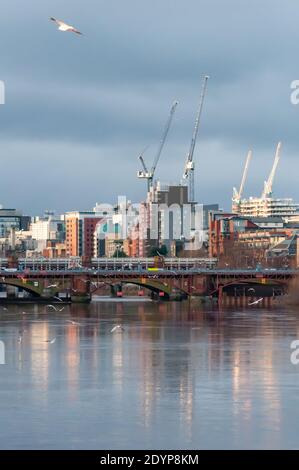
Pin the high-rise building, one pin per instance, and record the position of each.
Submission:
(164, 218)
(80, 233)
(12, 219)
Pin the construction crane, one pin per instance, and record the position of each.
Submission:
(189, 166)
(237, 195)
(145, 173)
(269, 183)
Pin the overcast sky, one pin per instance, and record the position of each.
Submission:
(80, 109)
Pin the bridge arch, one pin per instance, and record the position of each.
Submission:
(35, 291)
(151, 285)
(249, 284)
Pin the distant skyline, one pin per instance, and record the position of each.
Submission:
(78, 110)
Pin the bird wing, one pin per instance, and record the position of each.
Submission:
(256, 302)
(58, 22)
(51, 306)
(74, 30)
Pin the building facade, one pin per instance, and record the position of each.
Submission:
(80, 233)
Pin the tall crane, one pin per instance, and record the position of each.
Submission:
(237, 195)
(145, 173)
(189, 166)
(269, 183)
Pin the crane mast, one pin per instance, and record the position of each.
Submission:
(269, 183)
(189, 166)
(238, 194)
(149, 175)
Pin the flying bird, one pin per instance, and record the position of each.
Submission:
(73, 322)
(54, 308)
(65, 27)
(256, 301)
(51, 341)
(117, 328)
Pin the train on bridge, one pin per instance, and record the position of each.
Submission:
(68, 280)
(111, 264)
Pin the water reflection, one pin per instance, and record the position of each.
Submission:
(180, 375)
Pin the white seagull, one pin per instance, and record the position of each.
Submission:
(65, 27)
(73, 322)
(256, 301)
(117, 328)
(54, 308)
(51, 341)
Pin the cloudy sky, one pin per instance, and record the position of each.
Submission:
(80, 109)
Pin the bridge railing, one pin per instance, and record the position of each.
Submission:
(115, 264)
(148, 263)
(49, 264)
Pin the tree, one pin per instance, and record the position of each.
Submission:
(158, 250)
(119, 253)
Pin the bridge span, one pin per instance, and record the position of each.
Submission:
(79, 284)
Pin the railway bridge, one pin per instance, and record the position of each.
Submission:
(78, 285)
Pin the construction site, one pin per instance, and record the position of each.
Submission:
(262, 221)
(265, 205)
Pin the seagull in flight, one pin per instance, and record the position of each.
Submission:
(117, 328)
(73, 322)
(51, 341)
(56, 309)
(62, 26)
(256, 301)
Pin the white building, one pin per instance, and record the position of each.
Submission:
(43, 229)
(266, 207)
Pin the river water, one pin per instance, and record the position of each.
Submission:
(178, 376)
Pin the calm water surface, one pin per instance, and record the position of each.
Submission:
(180, 376)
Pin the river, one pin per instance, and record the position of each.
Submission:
(178, 375)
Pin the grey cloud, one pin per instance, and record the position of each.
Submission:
(108, 94)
